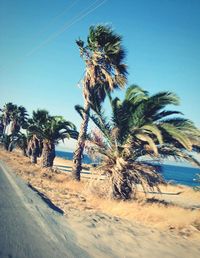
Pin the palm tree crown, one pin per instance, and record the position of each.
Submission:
(104, 59)
(54, 129)
(14, 118)
(140, 128)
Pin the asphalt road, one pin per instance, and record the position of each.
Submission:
(28, 227)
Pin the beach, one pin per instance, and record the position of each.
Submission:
(166, 225)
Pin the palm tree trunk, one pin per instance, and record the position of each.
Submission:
(5, 124)
(11, 146)
(34, 159)
(121, 181)
(122, 189)
(33, 149)
(48, 154)
(78, 153)
(6, 142)
(24, 152)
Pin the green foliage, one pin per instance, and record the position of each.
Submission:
(104, 58)
(39, 117)
(141, 128)
(16, 117)
(22, 142)
(52, 128)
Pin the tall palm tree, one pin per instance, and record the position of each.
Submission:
(50, 133)
(104, 71)
(140, 129)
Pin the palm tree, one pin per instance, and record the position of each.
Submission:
(21, 140)
(50, 133)
(19, 118)
(39, 118)
(14, 118)
(140, 129)
(105, 71)
(7, 109)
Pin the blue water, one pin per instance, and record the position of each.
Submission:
(69, 155)
(175, 174)
(180, 175)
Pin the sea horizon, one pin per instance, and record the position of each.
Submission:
(178, 173)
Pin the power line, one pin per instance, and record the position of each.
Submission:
(79, 17)
(52, 21)
(74, 20)
(55, 18)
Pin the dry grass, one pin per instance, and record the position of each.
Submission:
(93, 195)
(186, 192)
(158, 212)
(161, 216)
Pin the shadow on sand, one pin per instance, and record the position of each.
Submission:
(47, 200)
(163, 202)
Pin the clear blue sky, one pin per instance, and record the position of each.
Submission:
(40, 68)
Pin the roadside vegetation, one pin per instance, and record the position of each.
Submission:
(141, 127)
(36, 136)
(140, 130)
(92, 197)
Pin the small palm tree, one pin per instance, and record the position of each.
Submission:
(105, 71)
(7, 110)
(21, 141)
(140, 129)
(19, 118)
(14, 118)
(39, 118)
(54, 129)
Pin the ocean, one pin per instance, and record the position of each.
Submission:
(175, 174)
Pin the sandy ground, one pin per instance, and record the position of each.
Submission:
(166, 225)
(182, 196)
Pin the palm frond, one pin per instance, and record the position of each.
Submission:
(135, 94)
(165, 113)
(170, 150)
(145, 138)
(98, 119)
(177, 135)
(157, 102)
(153, 129)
